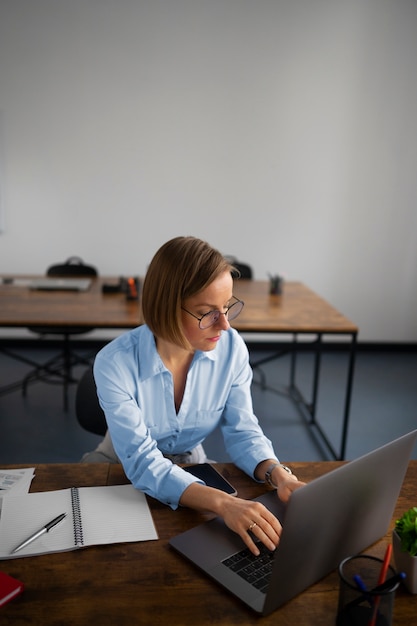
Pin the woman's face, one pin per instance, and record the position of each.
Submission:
(216, 297)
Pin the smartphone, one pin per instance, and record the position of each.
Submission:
(212, 478)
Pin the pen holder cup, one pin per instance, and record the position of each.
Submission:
(358, 604)
(275, 285)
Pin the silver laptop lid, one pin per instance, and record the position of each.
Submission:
(336, 515)
(60, 284)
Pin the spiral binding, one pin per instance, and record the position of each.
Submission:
(76, 511)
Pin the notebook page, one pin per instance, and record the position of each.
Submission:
(23, 515)
(115, 514)
(17, 480)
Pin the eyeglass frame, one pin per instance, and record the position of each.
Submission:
(225, 313)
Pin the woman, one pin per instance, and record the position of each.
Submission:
(166, 385)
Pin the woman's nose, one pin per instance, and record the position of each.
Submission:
(223, 322)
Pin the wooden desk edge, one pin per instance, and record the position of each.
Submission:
(190, 596)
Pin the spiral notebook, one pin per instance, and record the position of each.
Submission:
(94, 515)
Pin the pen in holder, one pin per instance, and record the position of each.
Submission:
(363, 600)
(132, 288)
(129, 286)
(275, 284)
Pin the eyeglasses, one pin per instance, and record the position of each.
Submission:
(212, 317)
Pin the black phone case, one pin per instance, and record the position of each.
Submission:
(212, 478)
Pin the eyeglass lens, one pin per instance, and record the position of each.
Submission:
(213, 317)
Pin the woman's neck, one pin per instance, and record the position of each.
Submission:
(173, 356)
(177, 361)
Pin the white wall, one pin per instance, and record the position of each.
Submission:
(283, 132)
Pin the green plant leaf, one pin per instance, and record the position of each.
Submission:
(406, 528)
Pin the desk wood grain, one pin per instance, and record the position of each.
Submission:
(149, 583)
(23, 307)
(298, 309)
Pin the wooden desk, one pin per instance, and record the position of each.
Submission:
(149, 583)
(298, 311)
(23, 307)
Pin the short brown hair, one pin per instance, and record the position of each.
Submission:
(180, 269)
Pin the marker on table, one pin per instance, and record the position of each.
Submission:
(39, 533)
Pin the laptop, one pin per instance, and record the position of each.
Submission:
(60, 284)
(332, 517)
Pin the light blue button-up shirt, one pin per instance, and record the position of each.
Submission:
(136, 392)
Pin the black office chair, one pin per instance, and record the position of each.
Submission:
(89, 413)
(243, 269)
(58, 370)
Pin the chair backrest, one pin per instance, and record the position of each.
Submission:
(243, 270)
(89, 413)
(74, 266)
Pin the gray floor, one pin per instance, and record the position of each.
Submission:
(384, 405)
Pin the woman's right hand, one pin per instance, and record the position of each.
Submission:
(251, 520)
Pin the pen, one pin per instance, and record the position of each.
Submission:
(388, 584)
(40, 532)
(381, 580)
(362, 587)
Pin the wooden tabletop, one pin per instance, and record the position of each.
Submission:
(149, 583)
(24, 307)
(297, 310)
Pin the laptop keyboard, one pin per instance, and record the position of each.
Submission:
(256, 570)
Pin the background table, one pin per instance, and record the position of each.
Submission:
(300, 313)
(297, 312)
(149, 583)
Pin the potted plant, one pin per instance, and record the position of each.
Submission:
(404, 543)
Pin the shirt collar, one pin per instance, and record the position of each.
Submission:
(150, 363)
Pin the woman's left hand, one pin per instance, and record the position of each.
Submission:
(287, 484)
